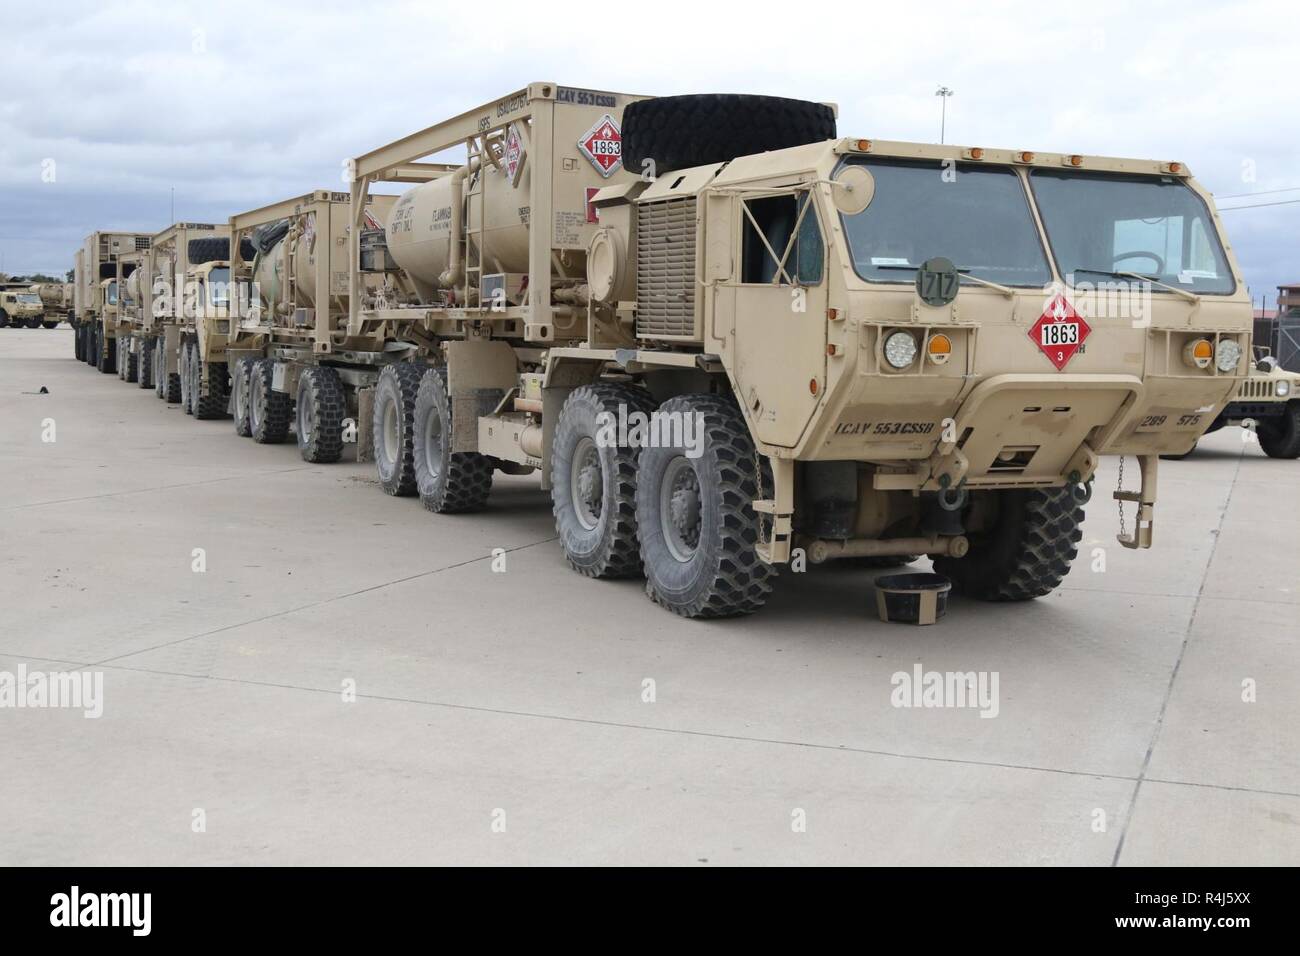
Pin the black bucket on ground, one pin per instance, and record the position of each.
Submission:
(918, 598)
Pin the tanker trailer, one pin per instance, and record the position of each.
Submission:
(290, 359)
(56, 299)
(779, 344)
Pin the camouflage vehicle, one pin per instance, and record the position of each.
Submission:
(1268, 402)
(20, 306)
(728, 338)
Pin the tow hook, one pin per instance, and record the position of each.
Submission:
(1081, 491)
(953, 499)
(1145, 498)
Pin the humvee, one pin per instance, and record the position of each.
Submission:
(1268, 402)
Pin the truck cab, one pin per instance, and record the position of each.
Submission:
(20, 307)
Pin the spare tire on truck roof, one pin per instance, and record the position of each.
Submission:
(217, 249)
(676, 132)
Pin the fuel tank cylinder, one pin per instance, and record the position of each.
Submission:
(419, 228)
(270, 275)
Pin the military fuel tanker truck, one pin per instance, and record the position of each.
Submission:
(56, 300)
(727, 337)
(183, 279)
(288, 343)
(96, 279)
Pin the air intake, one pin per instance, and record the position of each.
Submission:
(665, 269)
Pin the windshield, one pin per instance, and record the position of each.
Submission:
(112, 293)
(219, 286)
(30, 297)
(976, 216)
(1155, 226)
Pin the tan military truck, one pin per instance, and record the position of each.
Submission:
(183, 273)
(56, 299)
(727, 338)
(1267, 402)
(289, 342)
(93, 318)
(19, 306)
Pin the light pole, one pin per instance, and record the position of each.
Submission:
(943, 93)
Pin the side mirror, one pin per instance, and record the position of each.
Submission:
(853, 190)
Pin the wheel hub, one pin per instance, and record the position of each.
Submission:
(681, 508)
(587, 484)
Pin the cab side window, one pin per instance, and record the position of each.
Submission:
(781, 241)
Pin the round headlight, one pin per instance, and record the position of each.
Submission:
(1283, 389)
(900, 349)
(1227, 354)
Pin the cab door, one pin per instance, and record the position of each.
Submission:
(780, 312)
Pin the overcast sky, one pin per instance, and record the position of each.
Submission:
(237, 104)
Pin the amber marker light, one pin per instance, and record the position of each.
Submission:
(939, 348)
(1198, 353)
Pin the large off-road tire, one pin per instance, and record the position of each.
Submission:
(1280, 437)
(217, 250)
(131, 362)
(33, 323)
(1027, 552)
(674, 132)
(145, 378)
(321, 408)
(447, 482)
(50, 325)
(393, 426)
(699, 533)
(593, 481)
(4, 319)
(92, 345)
(119, 362)
(212, 405)
(241, 385)
(187, 380)
(106, 353)
(78, 343)
(268, 411)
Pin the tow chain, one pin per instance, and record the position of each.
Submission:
(1120, 501)
(758, 480)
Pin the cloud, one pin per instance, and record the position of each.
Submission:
(238, 104)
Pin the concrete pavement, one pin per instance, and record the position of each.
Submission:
(505, 716)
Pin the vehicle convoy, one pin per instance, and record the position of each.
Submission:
(728, 338)
(1268, 402)
(97, 280)
(20, 307)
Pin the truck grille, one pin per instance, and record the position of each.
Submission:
(665, 269)
(1255, 388)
